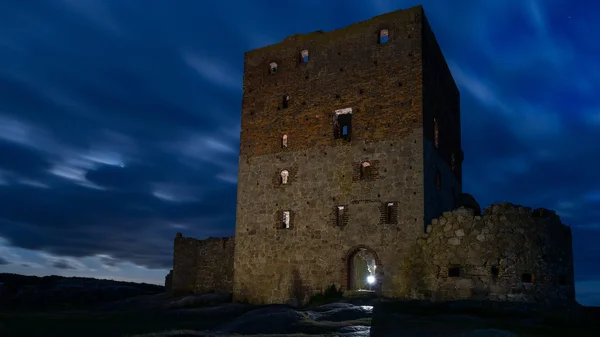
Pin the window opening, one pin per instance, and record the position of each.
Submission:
(284, 139)
(342, 123)
(284, 177)
(438, 179)
(383, 36)
(286, 101)
(304, 55)
(365, 170)
(527, 278)
(390, 212)
(453, 272)
(495, 272)
(453, 162)
(339, 215)
(286, 219)
(272, 68)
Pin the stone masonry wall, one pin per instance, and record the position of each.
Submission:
(347, 68)
(441, 101)
(276, 265)
(510, 253)
(382, 84)
(202, 266)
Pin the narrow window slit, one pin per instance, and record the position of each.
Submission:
(390, 213)
(365, 170)
(284, 141)
(286, 219)
(339, 215)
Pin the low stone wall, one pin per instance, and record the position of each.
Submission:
(509, 253)
(203, 266)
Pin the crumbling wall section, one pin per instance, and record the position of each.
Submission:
(202, 266)
(510, 253)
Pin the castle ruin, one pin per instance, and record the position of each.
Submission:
(350, 173)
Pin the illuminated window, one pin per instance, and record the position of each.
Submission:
(383, 36)
(286, 219)
(284, 139)
(284, 177)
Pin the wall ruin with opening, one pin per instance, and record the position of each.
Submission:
(510, 253)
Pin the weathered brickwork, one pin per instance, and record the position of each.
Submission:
(357, 152)
(509, 253)
(347, 68)
(202, 266)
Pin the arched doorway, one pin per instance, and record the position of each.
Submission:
(362, 264)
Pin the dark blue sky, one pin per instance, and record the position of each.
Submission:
(119, 120)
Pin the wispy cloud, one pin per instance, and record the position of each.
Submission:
(214, 71)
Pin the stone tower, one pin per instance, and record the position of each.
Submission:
(350, 145)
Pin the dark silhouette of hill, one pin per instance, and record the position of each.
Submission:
(59, 292)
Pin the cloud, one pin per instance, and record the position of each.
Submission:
(214, 71)
(62, 265)
(3, 261)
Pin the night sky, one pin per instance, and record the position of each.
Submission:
(119, 120)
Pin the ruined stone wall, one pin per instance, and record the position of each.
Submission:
(510, 253)
(382, 84)
(202, 266)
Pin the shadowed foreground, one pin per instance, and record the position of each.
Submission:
(214, 315)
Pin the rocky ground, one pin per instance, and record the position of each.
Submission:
(161, 315)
